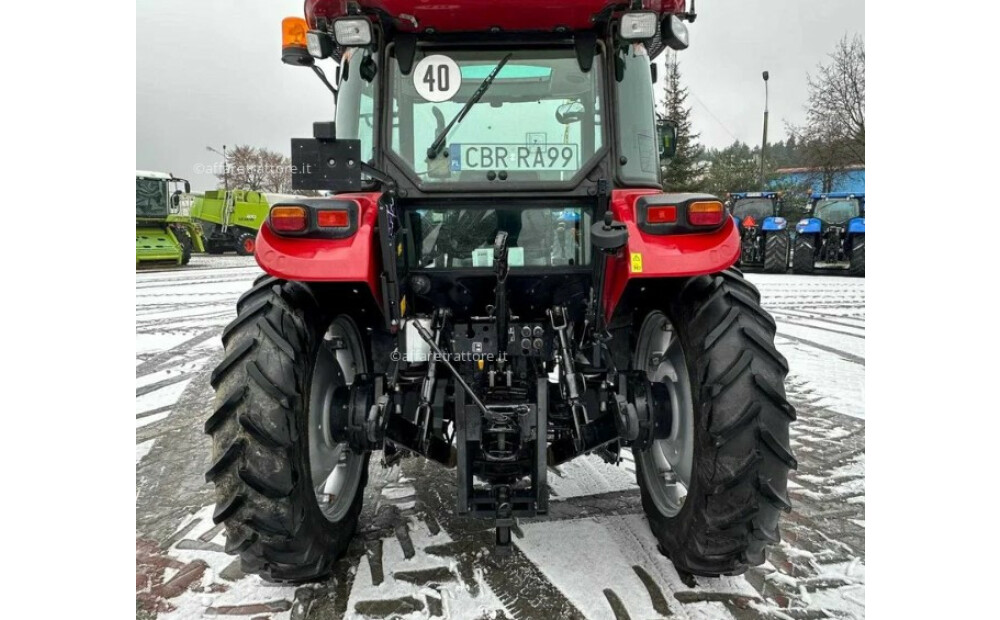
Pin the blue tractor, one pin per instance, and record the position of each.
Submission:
(764, 240)
(833, 235)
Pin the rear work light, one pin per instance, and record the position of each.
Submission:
(352, 31)
(336, 218)
(638, 25)
(674, 33)
(288, 219)
(705, 213)
(319, 44)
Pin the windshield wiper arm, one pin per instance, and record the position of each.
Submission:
(438, 143)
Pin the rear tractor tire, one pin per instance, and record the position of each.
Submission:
(289, 499)
(714, 481)
(804, 257)
(857, 257)
(246, 243)
(776, 246)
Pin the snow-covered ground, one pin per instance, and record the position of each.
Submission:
(593, 555)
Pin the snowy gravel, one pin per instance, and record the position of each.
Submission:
(592, 557)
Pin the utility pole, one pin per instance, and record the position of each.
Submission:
(225, 165)
(763, 142)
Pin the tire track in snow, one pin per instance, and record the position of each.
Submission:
(516, 581)
(824, 329)
(152, 364)
(832, 319)
(850, 357)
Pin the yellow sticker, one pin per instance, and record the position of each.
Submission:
(399, 249)
(636, 262)
(402, 306)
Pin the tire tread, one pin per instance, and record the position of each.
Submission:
(742, 449)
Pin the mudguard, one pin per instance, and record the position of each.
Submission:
(774, 223)
(648, 255)
(351, 259)
(856, 225)
(809, 225)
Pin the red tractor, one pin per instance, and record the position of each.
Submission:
(498, 283)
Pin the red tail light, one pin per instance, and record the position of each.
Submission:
(661, 215)
(336, 218)
(705, 213)
(288, 219)
(749, 221)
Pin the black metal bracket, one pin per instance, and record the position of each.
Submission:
(608, 237)
(322, 164)
(392, 284)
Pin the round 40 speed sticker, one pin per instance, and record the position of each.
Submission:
(437, 78)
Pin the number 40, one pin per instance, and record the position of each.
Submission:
(443, 77)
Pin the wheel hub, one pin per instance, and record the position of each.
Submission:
(335, 390)
(648, 415)
(667, 459)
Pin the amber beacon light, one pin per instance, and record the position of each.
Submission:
(294, 50)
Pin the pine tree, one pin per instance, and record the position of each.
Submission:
(684, 171)
(733, 169)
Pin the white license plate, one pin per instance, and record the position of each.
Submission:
(515, 157)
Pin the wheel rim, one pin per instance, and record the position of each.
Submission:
(336, 469)
(667, 463)
(248, 246)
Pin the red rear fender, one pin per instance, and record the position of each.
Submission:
(353, 259)
(664, 256)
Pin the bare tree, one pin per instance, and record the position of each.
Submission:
(277, 172)
(257, 169)
(833, 137)
(837, 97)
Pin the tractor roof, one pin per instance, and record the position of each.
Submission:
(485, 15)
(742, 195)
(147, 174)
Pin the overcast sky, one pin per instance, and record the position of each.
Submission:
(209, 72)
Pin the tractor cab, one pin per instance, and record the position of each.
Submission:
(757, 209)
(833, 233)
(164, 232)
(764, 240)
(155, 194)
(836, 209)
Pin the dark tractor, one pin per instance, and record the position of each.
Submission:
(764, 240)
(498, 284)
(833, 235)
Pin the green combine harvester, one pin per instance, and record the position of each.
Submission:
(164, 231)
(231, 218)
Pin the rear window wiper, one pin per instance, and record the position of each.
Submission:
(438, 143)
